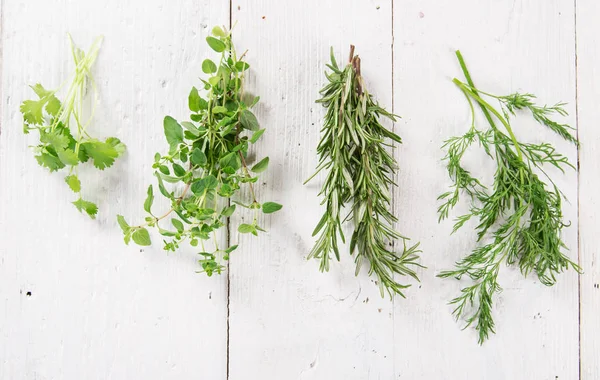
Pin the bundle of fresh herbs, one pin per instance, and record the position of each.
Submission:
(520, 216)
(354, 150)
(63, 139)
(208, 157)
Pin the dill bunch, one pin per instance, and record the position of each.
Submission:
(354, 150)
(519, 217)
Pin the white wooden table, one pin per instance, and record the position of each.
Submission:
(76, 303)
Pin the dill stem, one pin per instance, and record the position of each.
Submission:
(485, 107)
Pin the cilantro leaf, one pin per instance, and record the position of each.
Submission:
(90, 208)
(102, 153)
(49, 161)
(68, 157)
(57, 139)
(32, 111)
(117, 144)
(73, 182)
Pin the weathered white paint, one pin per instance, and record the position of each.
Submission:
(100, 310)
(588, 98)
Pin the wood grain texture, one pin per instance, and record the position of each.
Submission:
(75, 302)
(525, 46)
(588, 112)
(99, 309)
(288, 320)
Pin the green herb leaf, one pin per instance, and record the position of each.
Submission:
(246, 228)
(173, 133)
(248, 120)
(228, 211)
(177, 224)
(217, 31)
(231, 249)
(256, 135)
(73, 182)
(241, 66)
(215, 44)
(195, 102)
(179, 170)
(198, 157)
(103, 154)
(117, 145)
(49, 161)
(141, 237)
(123, 224)
(90, 208)
(219, 109)
(209, 67)
(261, 166)
(149, 200)
(271, 207)
(207, 183)
(68, 157)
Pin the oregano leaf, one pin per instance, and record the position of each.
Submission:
(209, 67)
(216, 44)
(256, 135)
(261, 166)
(248, 120)
(149, 200)
(141, 237)
(173, 133)
(271, 207)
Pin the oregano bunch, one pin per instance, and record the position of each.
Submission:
(354, 151)
(208, 156)
(519, 218)
(64, 141)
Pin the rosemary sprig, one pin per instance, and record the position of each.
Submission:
(520, 216)
(208, 157)
(354, 151)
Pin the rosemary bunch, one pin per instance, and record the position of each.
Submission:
(208, 157)
(354, 151)
(520, 217)
(64, 141)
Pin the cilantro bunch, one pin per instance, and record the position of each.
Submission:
(64, 142)
(207, 156)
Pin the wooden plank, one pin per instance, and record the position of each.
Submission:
(588, 97)
(98, 309)
(288, 320)
(521, 45)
